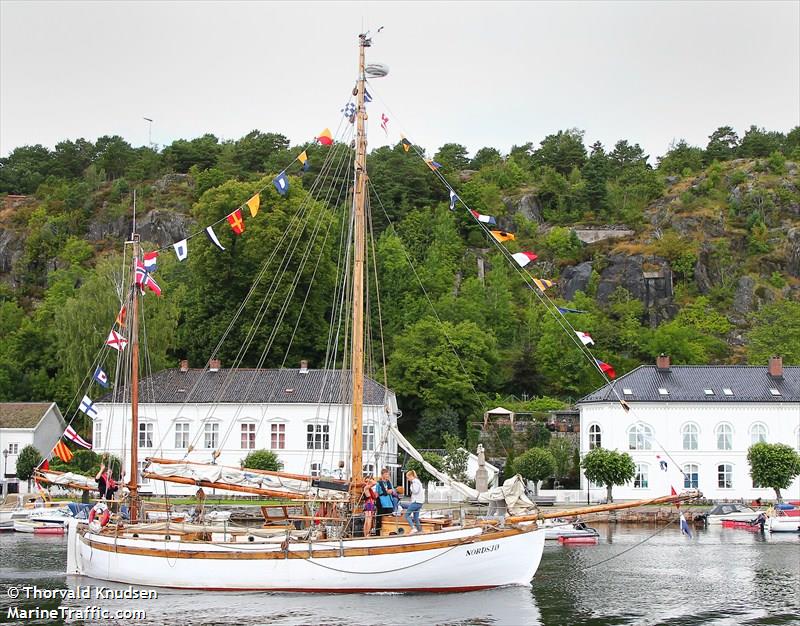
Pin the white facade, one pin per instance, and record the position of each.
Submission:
(307, 438)
(711, 428)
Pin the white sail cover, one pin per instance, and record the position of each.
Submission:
(512, 491)
(69, 479)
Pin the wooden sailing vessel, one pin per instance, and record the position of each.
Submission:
(471, 555)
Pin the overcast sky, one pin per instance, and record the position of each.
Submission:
(476, 73)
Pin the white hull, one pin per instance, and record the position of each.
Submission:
(716, 520)
(469, 561)
(553, 533)
(783, 524)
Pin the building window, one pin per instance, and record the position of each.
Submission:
(639, 437)
(595, 437)
(725, 476)
(316, 469)
(690, 432)
(248, 436)
(368, 441)
(97, 435)
(369, 470)
(211, 437)
(13, 448)
(758, 434)
(182, 435)
(277, 436)
(640, 481)
(142, 479)
(317, 437)
(724, 437)
(146, 435)
(691, 476)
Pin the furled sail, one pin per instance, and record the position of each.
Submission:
(68, 480)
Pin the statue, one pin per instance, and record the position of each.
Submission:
(482, 475)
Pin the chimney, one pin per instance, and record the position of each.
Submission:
(304, 367)
(662, 362)
(185, 366)
(213, 365)
(776, 367)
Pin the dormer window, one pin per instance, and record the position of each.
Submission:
(774, 391)
(290, 390)
(727, 392)
(663, 392)
(628, 392)
(709, 392)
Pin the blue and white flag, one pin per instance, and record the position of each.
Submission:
(367, 97)
(100, 377)
(87, 406)
(281, 183)
(563, 309)
(685, 530)
(181, 249)
(213, 237)
(349, 110)
(453, 200)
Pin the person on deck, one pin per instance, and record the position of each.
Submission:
(105, 483)
(417, 493)
(387, 498)
(370, 498)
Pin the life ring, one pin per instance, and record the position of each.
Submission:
(101, 512)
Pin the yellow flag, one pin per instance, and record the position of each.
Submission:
(502, 235)
(302, 157)
(253, 204)
(543, 284)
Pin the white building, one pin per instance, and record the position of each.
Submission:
(699, 420)
(27, 423)
(299, 414)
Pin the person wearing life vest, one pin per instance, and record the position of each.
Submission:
(105, 483)
(99, 516)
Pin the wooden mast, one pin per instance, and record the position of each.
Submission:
(357, 343)
(133, 484)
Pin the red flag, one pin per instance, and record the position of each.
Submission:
(45, 465)
(325, 137)
(121, 317)
(674, 493)
(236, 222)
(607, 369)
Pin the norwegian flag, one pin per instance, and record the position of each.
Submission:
(72, 435)
(143, 279)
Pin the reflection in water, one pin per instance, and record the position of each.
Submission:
(722, 576)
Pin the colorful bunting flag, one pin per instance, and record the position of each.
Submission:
(349, 110)
(502, 235)
(585, 338)
(152, 285)
(453, 200)
(87, 406)
(367, 96)
(141, 273)
(385, 123)
(72, 435)
(325, 137)
(254, 203)
(116, 341)
(543, 283)
(63, 452)
(432, 164)
(213, 237)
(522, 258)
(100, 377)
(281, 183)
(236, 222)
(303, 158)
(143, 279)
(486, 219)
(607, 369)
(563, 309)
(685, 530)
(405, 143)
(662, 464)
(150, 260)
(120, 321)
(181, 249)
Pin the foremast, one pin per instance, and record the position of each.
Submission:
(359, 237)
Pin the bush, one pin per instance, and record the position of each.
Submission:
(262, 460)
(27, 461)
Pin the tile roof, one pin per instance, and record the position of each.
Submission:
(688, 383)
(258, 386)
(22, 414)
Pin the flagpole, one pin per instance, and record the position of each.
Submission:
(357, 344)
(133, 485)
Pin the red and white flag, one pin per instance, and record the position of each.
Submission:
(523, 258)
(116, 341)
(74, 436)
(385, 123)
(586, 338)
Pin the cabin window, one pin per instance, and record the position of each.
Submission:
(146, 435)
(182, 435)
(725, 476)
(277, 436)
(13, 448)
(690, 433)
(758, 434)
(691, 476)
(368, 441)
(724, 437)
(595, 437)
(248, 436)
(641, 479)
(639, 437)
(316, 469)
(211, 436)
(317, 437)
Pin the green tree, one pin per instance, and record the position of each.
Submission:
(203, 151)
(485, 156)
(563, 151)
(435, 425)
(722, 145)
(254, 151)
(534, 465)
(596, 172)
(758, 142)
(681, 158)
(24, 169)
(424, 476)
(455, 459)
(452, 156)
(562, 450)
(262, 460)
(27, 461)
(775, 329)
(773, 465)
(609, 468)
(114, 155)
(625, 156)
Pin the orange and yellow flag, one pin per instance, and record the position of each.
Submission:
(253, 204)
(502, 235)
(62, 451)
(236, 222)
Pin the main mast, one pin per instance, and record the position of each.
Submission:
(133, 484)
(357, 343)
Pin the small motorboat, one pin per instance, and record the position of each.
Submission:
(784, 520)
(557, 529)
(41, 519)
(730, 511)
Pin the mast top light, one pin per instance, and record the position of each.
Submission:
(376, 70)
